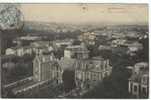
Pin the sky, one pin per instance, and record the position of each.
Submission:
(87, 13)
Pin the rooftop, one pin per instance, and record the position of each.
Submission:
(138, 77)
(45, 57)
(143, 71)
(77, 48)
(65, 40)
(67, 63)
(98, 58)
(40, 43)
(142, 64)
(29, 38)
(19, 47)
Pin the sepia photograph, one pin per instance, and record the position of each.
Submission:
(76, 50)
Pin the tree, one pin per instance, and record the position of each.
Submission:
(68, 80)
(11, 23)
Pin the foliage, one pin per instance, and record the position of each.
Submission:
(116, 85)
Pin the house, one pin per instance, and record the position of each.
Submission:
(76, 51)
(60, 43)
(39, 50)
(26, 40)
(118, 42)
(104, 47)
(28, 37)
(11, 51)
(19, 50)
(135, 46)
(89, 72)
(67, 63)
(41, 43)
(88, 38)
(46, 67)
(24, 50)
(139, 81)
(41, 46)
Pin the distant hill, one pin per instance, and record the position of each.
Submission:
(49, 27)
(53, 28)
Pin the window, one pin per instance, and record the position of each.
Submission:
(102, 65)
(135, 88)
(144, 91)
(87, 66)
(105, 75)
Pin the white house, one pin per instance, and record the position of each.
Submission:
(10, 51)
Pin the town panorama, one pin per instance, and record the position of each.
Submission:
(74, 51)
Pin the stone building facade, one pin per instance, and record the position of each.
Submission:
(76, 51)
(89, 72)
(139, 80)
(19, 51)
(46, 67)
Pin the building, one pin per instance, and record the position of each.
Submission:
(41, 43)
(40, 49)
(139, 80)
(46, 67)
(10, 51)
(25, 40)
(134, 47)
(118, 42)
(19, 50)
(24, 50)
(88, 37)
(104, 47)
(118, 35)
(132, 34)
(76, 51)
(60, 43)
(41, 46)
(89, 72)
